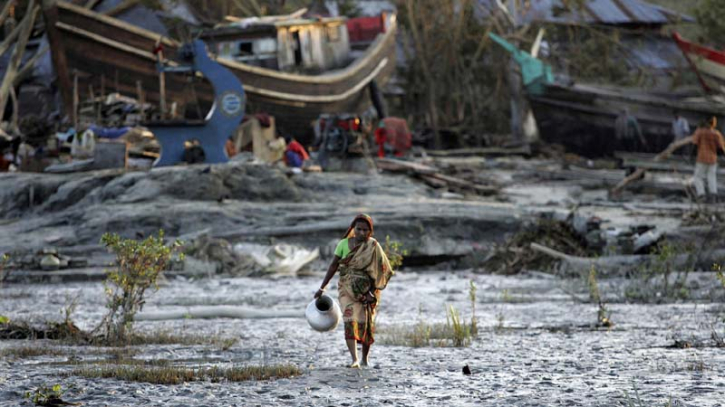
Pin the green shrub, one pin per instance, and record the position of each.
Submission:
(138, 266)
(46, 396)
(461, 333)
(395, 252)
(4, 273)
(658, 281)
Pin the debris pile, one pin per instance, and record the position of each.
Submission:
(514, 255)
(248, 259)
(115, 110)
(436, 178)
(48, 259)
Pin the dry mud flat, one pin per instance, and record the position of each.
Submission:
(544, 355)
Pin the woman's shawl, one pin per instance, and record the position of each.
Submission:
(371, 258)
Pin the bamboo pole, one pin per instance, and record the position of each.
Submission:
(17, 55)
(10, 39)
(57, 51)
(162, 80)
(27, 69)
(14, 122)
(76, 100)
(659, 157)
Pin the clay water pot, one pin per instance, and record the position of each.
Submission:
(323, 314)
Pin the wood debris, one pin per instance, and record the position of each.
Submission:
(434, 177)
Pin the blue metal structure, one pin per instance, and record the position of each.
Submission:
(223, 118)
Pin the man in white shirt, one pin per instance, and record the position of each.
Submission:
(680, 130)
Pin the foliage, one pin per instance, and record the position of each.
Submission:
(178, 375)
(455, 332)
(658, 281)
(348, 8)
(45, 396)
(710, 16)
(461, 333)
(720, 275)
(138, 266)
(454, 78)
(603, 314)
(395, 252)
(472, 297)
(4, 273)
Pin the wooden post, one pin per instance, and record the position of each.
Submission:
(76, 101)
(141, 100)
(57, 51)
(162, 80)
(103, 87)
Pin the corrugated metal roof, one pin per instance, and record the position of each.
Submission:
(151, 20)
(612, 12)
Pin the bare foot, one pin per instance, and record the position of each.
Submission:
(355, 365)
(364, 363)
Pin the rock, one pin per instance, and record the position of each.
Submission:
(49, 263)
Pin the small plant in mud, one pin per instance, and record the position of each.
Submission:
(638, 402)
(47, 396)
(472, 297)
(4, 272)
(603, 314)
(658, 281)
(720, 274)
(179, 375)
(395, 252)
(460, 332)
(138, 267)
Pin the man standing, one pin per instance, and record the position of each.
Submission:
(707, 139)
(680, 130)
(626, 128)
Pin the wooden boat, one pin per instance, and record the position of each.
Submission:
(582, 116)
(93, 50)
(707, 62)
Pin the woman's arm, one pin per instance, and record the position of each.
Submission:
(330, 273)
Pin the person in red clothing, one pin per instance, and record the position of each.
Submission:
(708, 140)
(392, 137)
(295, 155)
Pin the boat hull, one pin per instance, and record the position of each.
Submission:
(709, 63)
(582, 118)
(106, 53)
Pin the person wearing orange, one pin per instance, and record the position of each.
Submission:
(708, 140)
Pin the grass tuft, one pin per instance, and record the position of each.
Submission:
(178, 375)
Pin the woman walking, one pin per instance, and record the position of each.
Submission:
(364, 272)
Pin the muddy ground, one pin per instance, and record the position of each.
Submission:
(536, 346)
(538, 343)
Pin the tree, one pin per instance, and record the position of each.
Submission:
(710, 16)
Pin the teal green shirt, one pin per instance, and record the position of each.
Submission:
(342, 249)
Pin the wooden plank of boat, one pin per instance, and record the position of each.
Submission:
(707, 62)
(100, 45)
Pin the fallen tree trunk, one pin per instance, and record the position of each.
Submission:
(659, 157)
(620, 265)
(219, 312)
